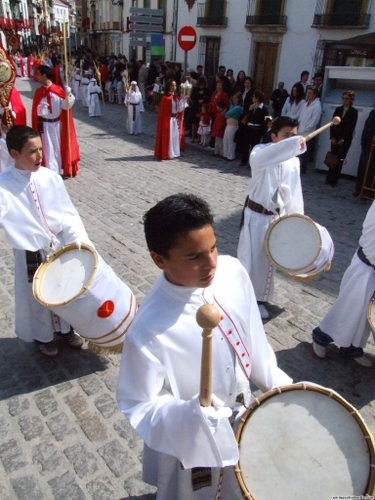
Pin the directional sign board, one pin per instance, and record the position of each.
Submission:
(187, 38)
(143, 22)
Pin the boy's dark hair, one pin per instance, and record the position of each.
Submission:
(221, 104)
(172, 218)
(283, 121)
(18, 136)
(304, 73)
(45, 70)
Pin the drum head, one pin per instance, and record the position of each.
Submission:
(308, 444)
(293, 242)
(371, 312)
(65, 275)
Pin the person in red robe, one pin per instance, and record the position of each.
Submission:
(48, 108)
(37, 63)
(30, 66)
(170, 139)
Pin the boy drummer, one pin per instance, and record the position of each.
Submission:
(274, 189)
(189, 450)
(38, 217)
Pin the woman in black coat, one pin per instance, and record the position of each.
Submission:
(342, 134)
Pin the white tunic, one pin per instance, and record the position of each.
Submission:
(77, 87)
(51, 135)
(133, 102)
(346, 321)
(276, 185)
(309, 117)
(292, 110)
(160, 371)
(36, 214)
(84, 91)
(94, 92)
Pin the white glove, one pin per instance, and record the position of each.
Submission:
(214, 413)
(67, 89)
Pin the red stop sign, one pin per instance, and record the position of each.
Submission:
(187, 38)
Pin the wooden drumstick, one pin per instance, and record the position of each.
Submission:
(208, 317)
(335, 121)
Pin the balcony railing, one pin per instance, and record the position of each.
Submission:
(211, 20)
(342, 20)
(266, 20)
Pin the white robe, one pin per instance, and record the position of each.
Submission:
(133, 102)
(174, 134)
(51, 135)
(346, 321)
(160, 371)
(77, 87)
(276, 185)
(85, 91)
(94, 92)
(37, 215)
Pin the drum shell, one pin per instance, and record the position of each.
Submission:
(84, 312)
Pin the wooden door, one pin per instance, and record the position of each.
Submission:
(265, 64)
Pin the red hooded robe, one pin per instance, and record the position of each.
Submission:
(162, 131)
(74, 148)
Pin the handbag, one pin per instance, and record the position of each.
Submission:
(332, 161)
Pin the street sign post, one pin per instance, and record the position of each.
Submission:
(187, 38)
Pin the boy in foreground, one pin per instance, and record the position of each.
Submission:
(274, 190)
(38, 217)
(190, 450)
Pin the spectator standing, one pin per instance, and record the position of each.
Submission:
(232, 117)
(142, 78)
(278, 98)
(367, 139)
(218, 127)
(309, 119)
(304, 81)
(204, 128)
(294, 102)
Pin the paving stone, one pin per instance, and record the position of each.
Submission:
(94, 428)
(46, 402)
(90, 384)
(126, 431)
(77, 404)
(12, 456)
(101, 489)
(83, 461)
(17, 405)
(31, 426)
(106, 405)
(65, 487)
(117, 458)
(135, 486)
(4, 427)
(27, 488)
(61, 426)
(47, 456)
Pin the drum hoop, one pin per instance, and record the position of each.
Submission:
(369, 310)
(266, 240)
(370, 488)
(37, 281)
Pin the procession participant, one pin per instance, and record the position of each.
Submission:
(37, 63)
(274, 190)
(84, 89)
(50, 118)
(94, 91)
(133, 102)
(30, 66)
(160, 368)
(77, 85)
(170, 140)
(38, 217)
(346, 322)
(12, 110)
(18, 61)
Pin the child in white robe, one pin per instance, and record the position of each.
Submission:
(94, 93)
(346, 322)
(160, 368)
(274, 190)
(133, 102)
(38, 217)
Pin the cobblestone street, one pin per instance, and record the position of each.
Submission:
(62, 435)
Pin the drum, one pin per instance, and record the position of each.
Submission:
(304, 441)
(371, 312)
(299, 247)
(83, 290)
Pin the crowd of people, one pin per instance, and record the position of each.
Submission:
(159, 374)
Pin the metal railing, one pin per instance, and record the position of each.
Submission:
(213, 19)
(266, 19)
(346, 19)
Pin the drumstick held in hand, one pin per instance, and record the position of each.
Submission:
(208, 317)
(335, 121)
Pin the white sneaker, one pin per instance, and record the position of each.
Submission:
(320, 350)
(363, 361)
(264, 314)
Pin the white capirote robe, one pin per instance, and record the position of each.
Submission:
(174, 134)
(36, 213)
(94, 92)
(346, 321)
(85, 91)
(276, 185)
(51, 135)
(133, 102)
(77, 86)
(160, 377)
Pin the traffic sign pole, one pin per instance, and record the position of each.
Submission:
(187, 38)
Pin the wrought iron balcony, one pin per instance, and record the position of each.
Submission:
(342, 20)
(207, 18)
(266, 19)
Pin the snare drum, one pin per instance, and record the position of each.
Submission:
(83, 290)
(371, 312)
(304, 441)
(299, 247)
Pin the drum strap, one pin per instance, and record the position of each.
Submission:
(255, 207)
(33, 261)
(363, 257)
